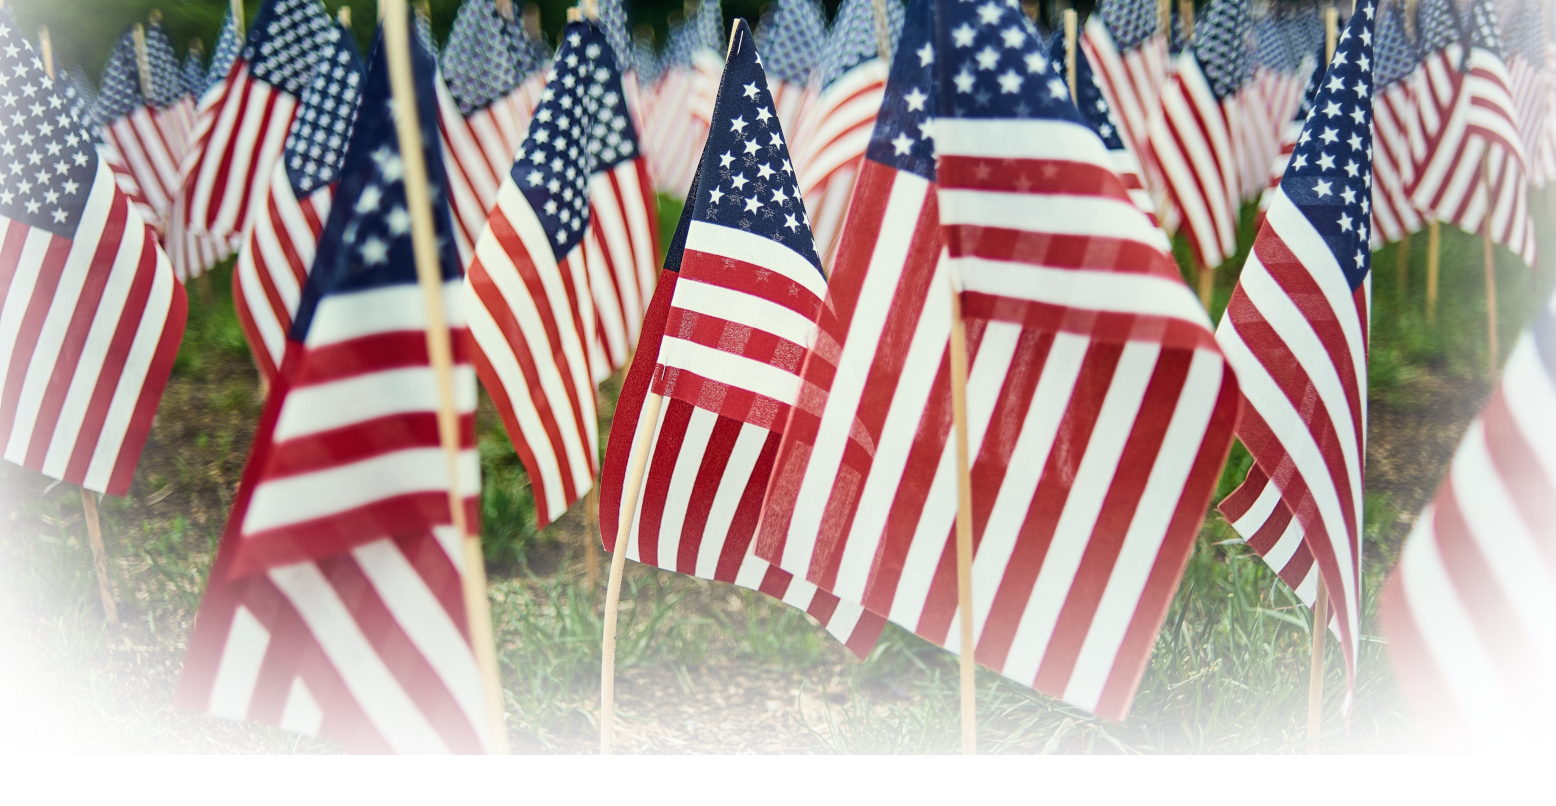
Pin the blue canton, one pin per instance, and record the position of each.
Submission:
(1397, 56)
(81, 100)
(193, 74)
(991, 64)
(121, 93)
(644, 62)
(1485, 32)
(613, 20)
(317, 142)
(746, 180)
(479, 64)
(852, 40)
(709, 24)
(366, 242)
(1220, 44)
(228, 46)
(1089, 102)
(1437, 26)
(1130, 22)
(1271, 48)
(572, 135)
(903, 137)
(791, 46)
(285, 43)
(1330, 174)
(47, 162)
(529, 50)
(167, 79)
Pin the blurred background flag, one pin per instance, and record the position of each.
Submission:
(677, 128)
(279, 249)
(1128, 51)
(335, 605)
(151, 132)
(725, 332)
(1396, 130)
(90, 312)
(1296, 333)
(792, 45)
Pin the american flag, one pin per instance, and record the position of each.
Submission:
(90, 312)
(1435, 83)
(1192, 142)
(1079, 326)
(229, 43)
(151, 134)
(1466, 610)
(1396, 130)
(1296, 333)
(335, 605)
(792, 46)
(1475, 173)
(527, 288)
(1097, 114)
(242, 122)
(831, 133)
(1292, 130)
(676, 127)
(1525, 37)
(1129, 56)
(279, 248)
(729, 322)
(193, 74)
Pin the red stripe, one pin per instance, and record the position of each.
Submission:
(629, 407)
(378, 352)
(661, 472)
(45, 289)
(1056, 176)
(1035, 247)
(710, 474)
(341, 531)
(253, 174)
(222, 150)
(360, 441)
(752, 279)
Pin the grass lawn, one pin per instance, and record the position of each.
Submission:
(707, 667)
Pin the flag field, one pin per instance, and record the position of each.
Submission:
(708, 667)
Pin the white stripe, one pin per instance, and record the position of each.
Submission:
(738, 471)
(237, 674)
(318, 408)
(728, 242)
(302, 713)
(743, 308)
(1531, 397)
(371, 683)
(683, 484)
(1108, 291)
(322, 493)
(391, 309)
(1019, 139)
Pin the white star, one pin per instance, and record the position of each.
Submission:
(1368, 11)
(369, 199)
(1037, 63)
(1331, 110)
(762, 116)
(779, 196)
(915, 100)
(962, 37)
(776, 141)
(964, 81)
(902, 143)
(534, 178)
(926, 55)
(1360, 89)
(752, 147)
(1345, 222)
(71, 187)
(1009, 82)
(1358, 115)
(1056, 88)
(1348, 195)
(752, 204)
(32, 207)
(988, 58)
(989, 14)
(374, 251)
(1014, 37)
(762, 171)
(1321, 187)
(59, 216)
(714, 195)
(399, 221)
(1325, 161)
(788, 221)
(1351, 168)
(1329, 135)
(725, 160)
(738, 181)
(750, 90)
(738, 125)
(1360, 258)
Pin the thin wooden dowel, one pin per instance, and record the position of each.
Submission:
(1402, 269)
(142, 63)
(237, 16)
(429, 273)
(882, 30)
(1186, 15)
(964, 542)
(343, 16)
(1433, 257)
(1331, 32)
(629, 507)
(1207, 285)
(1164, 20)
(1315, 681)
(1070, 22)
(1491, 296)
(592, 538)
(94, 533)
(46, 50)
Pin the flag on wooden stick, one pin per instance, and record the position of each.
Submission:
(90, 313)
(731, 318)
(1396, 131)
(1128, 52)
(334, 605)
(1100, 409)
(272, 268)
(151, 133)
(1296, 333)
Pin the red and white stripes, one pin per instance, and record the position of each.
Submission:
(152, 142)
(829, 140)
(1191, 143)
(621, 252)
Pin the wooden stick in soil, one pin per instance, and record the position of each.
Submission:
(94, 533)
(418, 198)
(1491, 296)
(1164, 17)
(142, 64)
(629, 507)
(1433, 259)
(1315, 679)
(1402, 269)
(964, 542)
(592, 537)
(1070, 21)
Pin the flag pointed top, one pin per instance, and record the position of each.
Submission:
(1130, 22)
(1329, 177)
(792, 45)
(992, 64)
(747, 179)
(1437, 25)
(366, 242)
(1397, 56)
(1093, 108)
(228, 46)
(1485, 29)
(286, 40)
(193, 74)
(852, 40)
(479, 61)
(167, 80)
(709, 26)
(317, 142)
(1220, 43)
(613, 21)
(903, 130)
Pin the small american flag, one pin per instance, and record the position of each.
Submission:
(1100, 409)
(90, 312)
(792, 48)
(728, 325)
(1293, 129)
(1129, 56)
(1466, 612)
(677, 126)
(1192, 141)
(1524, 34)
(1396, 130)
(1475, 171)
(334, 605)
(192, 74)
(831, 133)
(1296, 333)
(228, 45)
(272, 267)
(527, 290)
(242, 126)
(151, 134)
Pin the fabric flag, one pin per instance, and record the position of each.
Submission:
(674, 134)
(335, 605)
(90, 312)
(272, 267)
(1192, 141)
(1396, 131)
(152, 133)
(729, 322)
(1279, 78)
(492, 88)
(634, 75)
(1465, 612)
(1437, 79)
(1296, 333)
(1527, 77)
(193, 74)
(793, 48)
(1099, 408)
(527, 288)
(229, 44)
(1098, 115)
(243, 121)
(1290, 132)
(1128, 52)
(831, 133)
(1475, 174)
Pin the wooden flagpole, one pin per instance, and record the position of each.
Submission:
(882, 33)
(418, 198)
(1402, 267)
(1433, 256)
(142, 64)
(1491, 278)
(964, 543)
(343, 16)
(629, 507)
(1320, 635)
(237, 16)
(1070, 21)
(1205, 274)
(1164, 17)
(94, 527)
